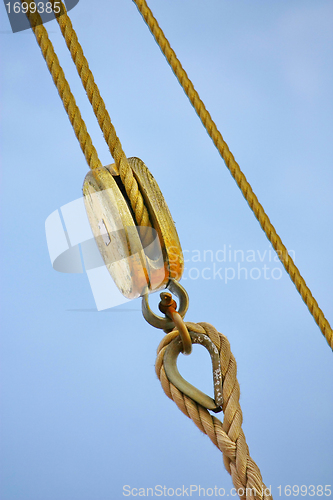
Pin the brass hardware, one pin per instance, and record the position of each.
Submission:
(166, 323)
(170, 365)
(135, 269)
(168, 307)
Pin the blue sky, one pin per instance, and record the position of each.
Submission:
(82, 411)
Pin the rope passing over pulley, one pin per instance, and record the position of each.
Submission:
(123, 168)
(138, 262)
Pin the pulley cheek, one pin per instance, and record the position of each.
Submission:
(140, 259)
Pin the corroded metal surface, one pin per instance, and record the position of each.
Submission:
(171, 370)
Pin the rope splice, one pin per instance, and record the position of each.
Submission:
(228, 435)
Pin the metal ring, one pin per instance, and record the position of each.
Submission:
(166, 323)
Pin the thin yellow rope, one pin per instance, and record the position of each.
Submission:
(104, 120)
(228, 435)
(63, 87)
(235, 171)
(126, 174)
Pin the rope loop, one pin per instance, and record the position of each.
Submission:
(127, 177)
(228, 435)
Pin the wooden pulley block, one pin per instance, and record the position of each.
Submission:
(139, 259)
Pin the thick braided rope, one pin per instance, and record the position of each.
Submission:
(227, 435)
(64, 90)
(235, 171)
(104, 120)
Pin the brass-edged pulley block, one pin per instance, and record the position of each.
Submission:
(140, 259)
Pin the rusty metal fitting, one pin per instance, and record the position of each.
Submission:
(170, 365)
(173, 318)
(168, 307)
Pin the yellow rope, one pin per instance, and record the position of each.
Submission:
(103, 117)
(236, 172)
(64, 90)
(126, 174)
(228, 435)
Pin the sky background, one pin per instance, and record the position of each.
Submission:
(82, 412)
